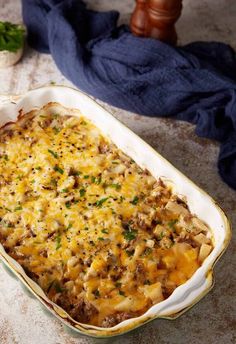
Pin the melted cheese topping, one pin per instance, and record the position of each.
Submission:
(102, 237)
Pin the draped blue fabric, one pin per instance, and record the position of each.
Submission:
(194, 83)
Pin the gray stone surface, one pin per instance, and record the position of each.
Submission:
(212, 320)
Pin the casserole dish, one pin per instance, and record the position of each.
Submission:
(185, 295)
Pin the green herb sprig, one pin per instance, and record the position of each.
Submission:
(130, 233)
(11, 36)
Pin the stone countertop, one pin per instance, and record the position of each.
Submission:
(212, 320)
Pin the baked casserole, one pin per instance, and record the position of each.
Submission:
(102, 237)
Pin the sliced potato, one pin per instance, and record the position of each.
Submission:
(201, 239)
(199, 224)
(176, 208)
(153, 292)
(204, 252)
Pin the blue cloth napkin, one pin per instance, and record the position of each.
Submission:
(194, 83)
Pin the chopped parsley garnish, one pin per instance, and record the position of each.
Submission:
(96, 180)
(121, 293)
(6, 157)
(105, 231)
(85, 228)
(100, 238)
(130, 234)
(147, 251)
(172, 223)
(18, 208)
(56, 130)
(118, 284)
(158, 222)
(69, 226)
(147, 282)
(58, 241)
(54, 154)
(100, 202)
(129, 253)
(86, 176)
(58, 169)
(56, 286)
(53, 182)
(122, 198)
(135, 200)
(7, 224)
(116, 186)
(96, 293)
(64, 190)
(77, 173)
(68, 204)
(82, 192)
(38, 168)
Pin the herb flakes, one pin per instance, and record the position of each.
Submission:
(54, 154)
(130, 234)
(58, 241)
(82, 192)
(134, 200)
(100, 202)
(58, 169)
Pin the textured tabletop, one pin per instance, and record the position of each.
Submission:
(212, 320)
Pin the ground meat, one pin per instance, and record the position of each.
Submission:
(114, 319)
(30, 233)
(103, 148)
(63, 301)
(44, 253)
(83, 311)
(31, 274)
(187, 240)
(144, 221)
(140, 272)
(117, 272)
(165, 243)
(7, 133)
(51, 235)
(45, 123)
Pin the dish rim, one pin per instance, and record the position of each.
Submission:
(100, 332)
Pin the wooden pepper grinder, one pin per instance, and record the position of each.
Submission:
(156, 19)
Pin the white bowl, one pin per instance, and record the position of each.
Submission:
(9, 58)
